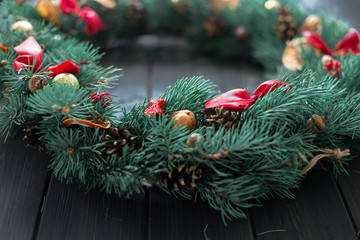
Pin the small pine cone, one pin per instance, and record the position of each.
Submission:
(116, 139)
(32, 137)
(181, 177)
(224, 117)
(214, 27)
(287, 28)
(136, 11)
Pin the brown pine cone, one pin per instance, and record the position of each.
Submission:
(224, 117)
(32, 136)
(287, 28)
(116, 140)
(136, 11)
(214, 27)
(181, 177)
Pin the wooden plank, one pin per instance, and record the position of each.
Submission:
(317, 213)
(22, 179)
(172, 218)
(349, 187)
(240, 76)
(70, 214)
(164, 74)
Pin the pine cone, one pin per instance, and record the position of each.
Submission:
(214, 27)
(181, 177)
(136, 11)
(32, 136)
(224, 117)
(287, 27)
(116, 139)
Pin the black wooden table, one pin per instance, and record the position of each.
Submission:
(34, 205)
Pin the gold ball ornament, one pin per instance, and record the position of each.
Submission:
(22, 26)
(48, 10)
(66, 78)
(37, 82)
(291, 57)
(183, 118)
(313, 23)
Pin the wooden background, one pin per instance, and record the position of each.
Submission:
(34, 205)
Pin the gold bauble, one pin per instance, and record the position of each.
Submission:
(66, 78)
(313, 23)
(291, 56)
(48, 10)
(218, 5)
(22, 26)
(183, 118)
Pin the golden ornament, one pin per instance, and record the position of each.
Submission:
(183, 118)
(66, 78)
(291, 56)
(241, 33)
(109, 4)
(22, 26)
(313, 23)
(48, 10)
(218, 5)
(37, 82)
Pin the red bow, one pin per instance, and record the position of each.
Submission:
(93, 22)
(349, 42)
(155, 107)
(65, 67)
(30, 53)
(239, 99)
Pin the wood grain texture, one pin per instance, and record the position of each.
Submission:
(176, 219)
(317, 212)
(22, 179)
(72, 214)
(349, 186)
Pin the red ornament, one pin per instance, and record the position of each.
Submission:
(334, 67)
(103, 97)
(235, 100)
(65, 67)
(92, 21)
(349, 42)
(30, 53)
(155, 107)
(69, 6)
(266, 86)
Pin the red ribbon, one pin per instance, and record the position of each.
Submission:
(65, 67)
(239, 99)
(93, 22)
(349, 42)
(30, 55)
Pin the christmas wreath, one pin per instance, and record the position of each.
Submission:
(231, 149)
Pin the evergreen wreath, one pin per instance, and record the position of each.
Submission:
(232, 149)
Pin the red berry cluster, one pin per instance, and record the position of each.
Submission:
(334, 67)
(103, 97)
